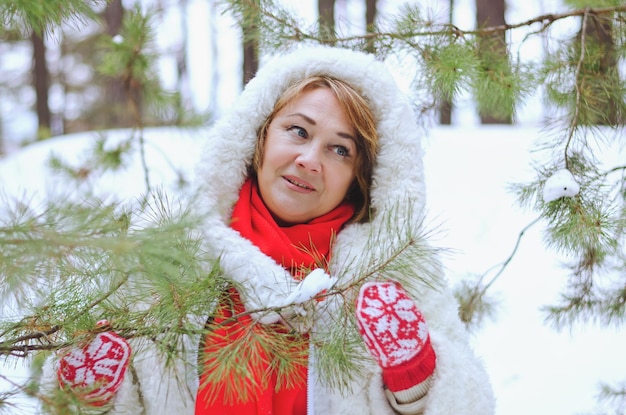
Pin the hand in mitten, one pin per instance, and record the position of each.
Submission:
(316, 282)
(396, 335)
(95, 372)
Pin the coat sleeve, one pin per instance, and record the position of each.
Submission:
(262, 282)
(411, 408)
(460, 382)
(152, 385)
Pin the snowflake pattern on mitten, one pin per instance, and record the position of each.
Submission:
(392, 327)
(95, 372)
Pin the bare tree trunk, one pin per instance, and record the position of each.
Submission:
(445, 112)
(251, 43)
(326, 13)
(117, 94)
(250, 60)
(370, 20)
(41, 81)
(113, 16)
(181, 62)
(445, 107)
(491, 13)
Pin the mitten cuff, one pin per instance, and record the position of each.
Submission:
(414, 394)
(413, 372)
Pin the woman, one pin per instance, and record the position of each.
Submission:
(316, 176)
(304, 154)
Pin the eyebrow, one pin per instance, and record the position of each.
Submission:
(312, 121)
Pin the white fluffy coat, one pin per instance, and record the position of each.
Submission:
(461, 385)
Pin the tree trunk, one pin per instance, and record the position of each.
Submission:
(113, 16)
(326, 13)
(181, 62)
(117, 95)
(250, 59)
(445, 112)
(41, 81)
(491, 13)
(370, 20)
(445, 107)
(251, 43)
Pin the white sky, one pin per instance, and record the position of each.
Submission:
(534, 369)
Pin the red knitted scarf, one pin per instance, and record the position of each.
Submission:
(299, 247)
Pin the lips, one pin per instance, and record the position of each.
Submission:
(298, 183)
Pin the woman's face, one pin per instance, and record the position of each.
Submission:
(308, 161)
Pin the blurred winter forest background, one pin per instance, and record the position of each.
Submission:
(71, 66)
(75, 66)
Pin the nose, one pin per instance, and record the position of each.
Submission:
(310, 158)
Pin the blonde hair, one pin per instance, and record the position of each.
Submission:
(359, 115)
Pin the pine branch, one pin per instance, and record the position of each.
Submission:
(374, 271)
(473, 302)
(44, 16)
(244, 361)
(615, 395)
(131, 260)
(418, 28)
(577, 78)
(551, 18)
(21, 346)
(25, 389)
(585, 302)
(511, 256)
(590, 228)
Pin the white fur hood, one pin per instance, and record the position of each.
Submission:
(399, 163)
(398, 183)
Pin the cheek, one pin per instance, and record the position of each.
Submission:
(272, 158)
(264, 158)
(275, 149)
(347, 179)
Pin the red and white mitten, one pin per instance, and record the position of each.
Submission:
(96, 371)
(395, 334)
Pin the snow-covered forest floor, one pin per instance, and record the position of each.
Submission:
(534, 368)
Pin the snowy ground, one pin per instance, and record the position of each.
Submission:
(534, 369)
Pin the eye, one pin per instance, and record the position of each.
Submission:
(342, 151)
(299, 131)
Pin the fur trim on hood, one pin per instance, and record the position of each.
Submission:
(398, 183)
